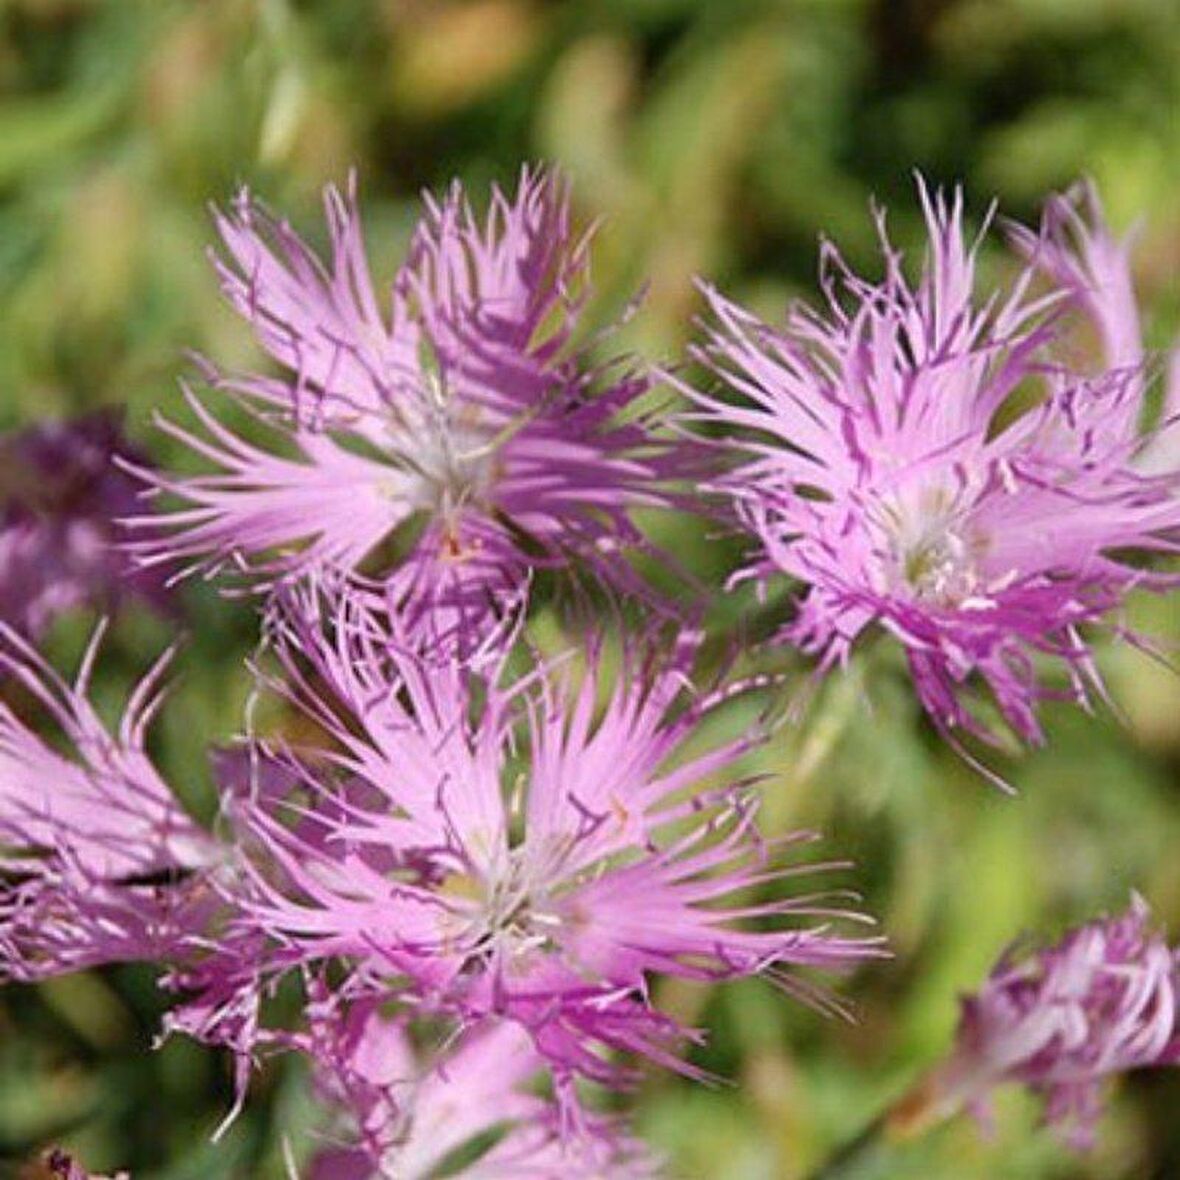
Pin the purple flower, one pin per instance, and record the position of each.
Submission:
(61, 1166)
(1077, 251)
(60, 498)
(451, 868)
(883, 459)
(1061, 1020)
(466, 409)
(99, 861)
(411, 1113)
(1162, 453)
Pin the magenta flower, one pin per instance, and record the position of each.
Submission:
(881, 460)
(1162, 452)
(1062, 1020)
(60, 498)
(465, 409)
(1078, 252)
(99, 860)
(411, 1113)
(62, 1166)
(473, 880)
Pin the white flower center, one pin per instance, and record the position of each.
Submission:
(454, 466)
(934, 551)
(507, 911)
(446, 445)
(938, 567)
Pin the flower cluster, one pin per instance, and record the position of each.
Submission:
(527, 904)
(474, 862)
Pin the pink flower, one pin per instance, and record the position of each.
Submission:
(1077, 250)
(880, 460)
(542, 878)
(61, 496)
(100, 862)
(64, 1167)
(1162, 452)
(466, 410)
(1062, 1020)
(413, 1113)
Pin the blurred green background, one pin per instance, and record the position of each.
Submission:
(712, 136)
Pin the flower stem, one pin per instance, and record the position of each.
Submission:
(920, 1108)
(856, 1150)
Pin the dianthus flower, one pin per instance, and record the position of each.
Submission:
(59, 1165)
(413, 1113)
(1063, 1019)
(544, 883)
(61, 497)
(465, 410)
(99, 861)
(889, 462)
(1078, 252)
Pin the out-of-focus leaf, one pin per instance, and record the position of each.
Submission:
(37, 132)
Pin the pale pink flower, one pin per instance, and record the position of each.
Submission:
(1078, 251)
(413, 1112)
(467, 877)
(1064, 1019)
(879, 459)
(100, 862)
(467, 408)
